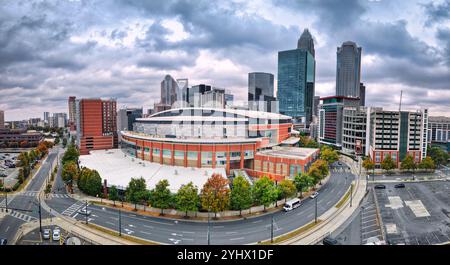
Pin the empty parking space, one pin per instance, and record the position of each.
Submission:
(416, 214)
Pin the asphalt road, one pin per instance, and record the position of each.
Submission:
(26, 200)
(186, 232)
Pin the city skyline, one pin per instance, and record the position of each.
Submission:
(128, 56)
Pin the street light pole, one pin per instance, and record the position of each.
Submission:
(120, 222)
(271, 231)
(315, 216)
(351, 194)
(86, 212)
(209, 230)
(40, 215)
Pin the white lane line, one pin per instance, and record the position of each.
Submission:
(114, 218)
(111, 223)
(188, 239)
(229, 233)
(254, 222)
(148, 226)
(237, 238)
(143, 232)
(156, 222)
(75, 215)
(6, 230)
(218, 226)
(368, 216)
(365, 233)
(187, 232)
(310, 215)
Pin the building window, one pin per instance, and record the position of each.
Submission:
(377, 157)
(155, 151)
(192, 155)
(179, 154)
(167, 153)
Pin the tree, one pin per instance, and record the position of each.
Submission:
(287, 188)
(215, 195)
(187, 198)
(264, 192)
(241, 194)
(438, 155)
(135, 189)
(408, 163)
(329, 155)
(57, 140)
(113, 194)
(368, 164)
(43, 148)
(161, 196)
(427, 163)
(303, 182)
(388, 164)
(69, 172)
(318, 170)
(93, 184)
(71, 154)
(64, 142)
(308, 142)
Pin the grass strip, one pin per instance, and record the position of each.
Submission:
(291, 234)
(345, 198)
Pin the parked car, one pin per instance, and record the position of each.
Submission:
(46, 234)
(56, 235)
(330, 241)
(339, 163)
(312, 196)
(3, 241)
(400, 185)
(380, 186)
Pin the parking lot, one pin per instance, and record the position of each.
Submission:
(418, 214)
(11, 173)
(35, 238)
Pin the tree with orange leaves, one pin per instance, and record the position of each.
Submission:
(215, 195)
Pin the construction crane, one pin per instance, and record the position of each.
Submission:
(400, 106)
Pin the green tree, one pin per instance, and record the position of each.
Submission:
(187, 198)
(388, 164)
(303, 182)
(439, 156)
(161, 195)
(308, 142)
(93, 184)
(329, 155)
(368, 164)
(57, 140)
(408, 163)
(427, 163)
(135, 190)
(64, 142)
(264, 192)
(287, 188)
(241, 194)
(69, 172)
(71, 154)
(113, 194)
(318, 170)
(215, 195)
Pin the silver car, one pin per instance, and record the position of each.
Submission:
(314, 195)
(46, 234)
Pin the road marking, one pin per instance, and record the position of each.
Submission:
(237, 238)
(6, 230)
(143, 232)
(148, 226)
(254, 222)
(365, 233)
(218, 226)
(111, 223)
(114, 218)
(229, 233)
(188, 239)
(369, 216)
(187, 232)
(159, 222)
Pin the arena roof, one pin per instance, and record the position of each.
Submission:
(219, 140)
(289, 152)
(118, 169)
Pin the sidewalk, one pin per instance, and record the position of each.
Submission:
(334, 217)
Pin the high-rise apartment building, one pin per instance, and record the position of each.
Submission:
(355, 127)
(96, 124)
(397, 134)
(348, 70)
(260, 91)
(296, 81)
(72, 113)
(47, 118)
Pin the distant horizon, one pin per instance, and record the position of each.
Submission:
(50, 50)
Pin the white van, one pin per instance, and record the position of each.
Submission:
(292, 204)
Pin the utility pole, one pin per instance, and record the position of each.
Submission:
(40, 215)
(120, 222)
(86, 212)
(271, 231)
(209, 230)
(315, 216)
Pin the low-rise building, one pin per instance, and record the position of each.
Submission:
(439, 129)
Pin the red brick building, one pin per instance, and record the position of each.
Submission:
(97, 124)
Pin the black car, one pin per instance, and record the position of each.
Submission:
(380, 186)
(401, 185)
(330, 241)
(3, 241)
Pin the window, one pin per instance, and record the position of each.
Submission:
(377, 157)
(146, 149)
(155, 151)
(192, 155)
(179, 154)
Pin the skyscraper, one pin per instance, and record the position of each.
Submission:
(2, 119)
(47, 118)
(348, 70)
(169, 91)
(362, 94)
(306, 42)
(72, 112)
(296, 78)
(260, 91)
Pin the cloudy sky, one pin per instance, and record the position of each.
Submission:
(123, 48)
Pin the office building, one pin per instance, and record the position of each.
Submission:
(260, 91)
(126, 118)
(330, 118)
(316, 103)
(15, 138)
(397, 134)
(96, 124)
(306, 42)
(296, 81)
(2, 119)
(355, 128)
(348, 70)
(362, 94)
(47, 118)
(72, 113)
(169, 91)
(438, 129)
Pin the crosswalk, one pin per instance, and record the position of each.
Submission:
(22, 216)
(28, 193)
(73, 208)
(341, 170)
(35, 193)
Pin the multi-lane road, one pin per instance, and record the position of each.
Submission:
(171, 231)
(23, 206)
(248, 231)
